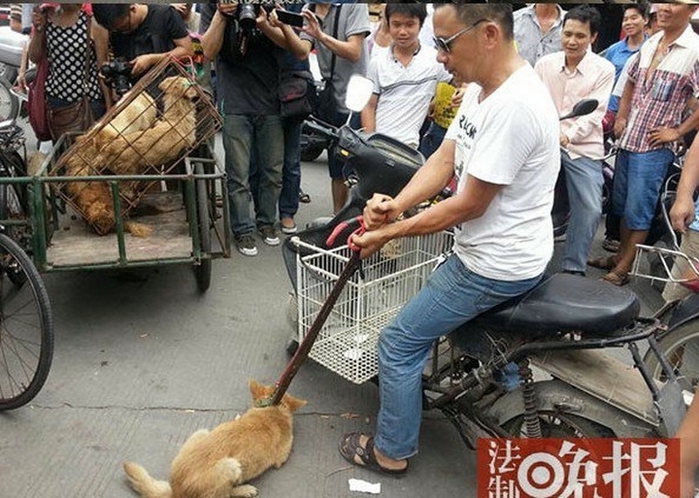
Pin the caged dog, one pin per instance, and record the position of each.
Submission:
(138, 115)
(217, 463)
(165, 140)
(94, 199)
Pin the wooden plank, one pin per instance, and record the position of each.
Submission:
(599, 374)
(76, 244)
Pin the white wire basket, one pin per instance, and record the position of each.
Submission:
(347, 342)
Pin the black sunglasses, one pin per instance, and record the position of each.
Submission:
(445, 45)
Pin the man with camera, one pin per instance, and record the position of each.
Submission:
(144, 34)
(247, 49)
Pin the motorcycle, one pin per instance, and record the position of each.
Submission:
(561, 329)
(11, 46)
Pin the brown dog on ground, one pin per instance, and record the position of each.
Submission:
(216, 464)
(165, 140)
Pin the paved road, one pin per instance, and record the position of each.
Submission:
(142, 361)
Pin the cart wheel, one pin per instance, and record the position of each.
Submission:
(291, 346)
(203, 269)
(26, 327)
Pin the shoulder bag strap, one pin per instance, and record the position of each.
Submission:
(335, 28)
(88, 44)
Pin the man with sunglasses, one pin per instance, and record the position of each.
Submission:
(502, 147)
(144, 34)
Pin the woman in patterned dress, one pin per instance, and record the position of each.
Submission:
(61, 32)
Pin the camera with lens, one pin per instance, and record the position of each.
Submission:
(247, 12)
(118, 73)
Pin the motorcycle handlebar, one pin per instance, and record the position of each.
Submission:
(320, 127)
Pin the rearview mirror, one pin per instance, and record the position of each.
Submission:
(359, 90)
(582, 108)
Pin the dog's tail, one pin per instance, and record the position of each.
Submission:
(144, 484)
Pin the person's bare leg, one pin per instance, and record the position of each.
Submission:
(627, 251)
(340, 194)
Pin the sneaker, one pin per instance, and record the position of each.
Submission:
(269, 235)
(288, 226)
(246, 244)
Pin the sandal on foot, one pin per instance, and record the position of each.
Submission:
(304, 197)
(604, 263)
(617, 277)
(611, 245)
(352, 451)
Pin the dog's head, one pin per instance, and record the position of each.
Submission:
(179, 86)
(260, 392)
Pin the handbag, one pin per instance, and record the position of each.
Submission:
(36, 98)
(297, 94)
(326, 107)
(78, 116)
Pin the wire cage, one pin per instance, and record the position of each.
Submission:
(159, 122)
(370, 300)
(671, 266)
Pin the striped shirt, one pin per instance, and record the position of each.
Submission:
(404, 92)
(660, 100)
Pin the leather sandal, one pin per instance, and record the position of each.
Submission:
(352, 451)
(603, 263)
(611, 245)
(617, 277)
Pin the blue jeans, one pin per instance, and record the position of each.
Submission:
(451, 296)
(432, 139)
(638, 178)
(291, 176)
(242, 134)
(584, 182)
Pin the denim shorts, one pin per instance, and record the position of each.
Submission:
(336, 165)
(638, 178)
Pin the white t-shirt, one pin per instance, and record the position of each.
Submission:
(511, 139)
(405, 92)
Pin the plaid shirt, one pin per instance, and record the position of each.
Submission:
(660, 101)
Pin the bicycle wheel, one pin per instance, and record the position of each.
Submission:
(26, 328)
(13, 206)
(9, 103)
(681, 348)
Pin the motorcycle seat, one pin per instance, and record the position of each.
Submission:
(565, 303)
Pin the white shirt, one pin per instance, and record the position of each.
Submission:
(509, 139)
(404, 92)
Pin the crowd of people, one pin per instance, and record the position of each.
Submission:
(479, 89)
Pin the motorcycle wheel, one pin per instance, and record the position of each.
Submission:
(310, 153)
(681, 348)
(559, 425)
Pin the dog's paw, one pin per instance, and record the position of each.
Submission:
(244, 491)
